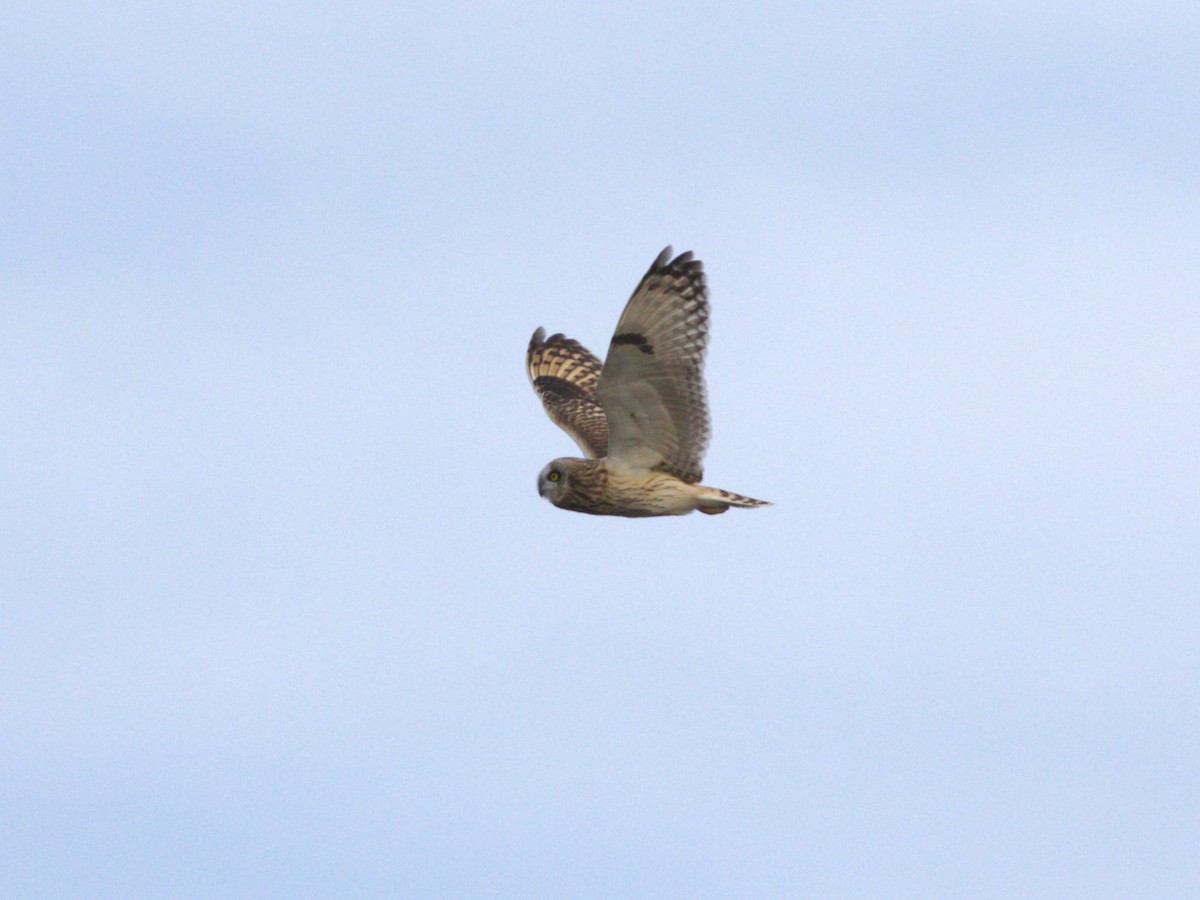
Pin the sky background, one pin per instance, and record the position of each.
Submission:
(283, 614)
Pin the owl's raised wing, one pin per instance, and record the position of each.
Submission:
(564, 374)
(652, 384)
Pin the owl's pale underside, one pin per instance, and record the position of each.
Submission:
(641, 418)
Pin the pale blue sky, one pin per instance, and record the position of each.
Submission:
(283, 612)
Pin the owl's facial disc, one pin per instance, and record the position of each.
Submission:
(549, 480)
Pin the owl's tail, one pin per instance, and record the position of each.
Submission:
(714, 501)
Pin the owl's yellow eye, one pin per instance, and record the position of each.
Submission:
(553, 476)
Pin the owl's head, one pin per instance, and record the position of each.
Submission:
(553, 480)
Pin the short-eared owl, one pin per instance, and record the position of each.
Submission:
(641, 417)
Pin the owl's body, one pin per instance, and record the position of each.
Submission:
(642, 416)
(598, 487)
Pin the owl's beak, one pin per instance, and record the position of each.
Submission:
(545, 488)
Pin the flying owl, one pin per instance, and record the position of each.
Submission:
(641, 418)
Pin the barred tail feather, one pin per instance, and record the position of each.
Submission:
(714, 501)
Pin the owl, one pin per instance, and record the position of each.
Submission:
(640, 418)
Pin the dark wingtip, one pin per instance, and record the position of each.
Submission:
(535, 343)
(667, 260)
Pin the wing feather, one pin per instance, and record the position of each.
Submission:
(564, 374)
(652, 384)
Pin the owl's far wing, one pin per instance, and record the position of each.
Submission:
(564, 374)
(652, 384)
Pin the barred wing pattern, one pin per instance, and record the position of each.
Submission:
(652, 384)
(564, 374)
